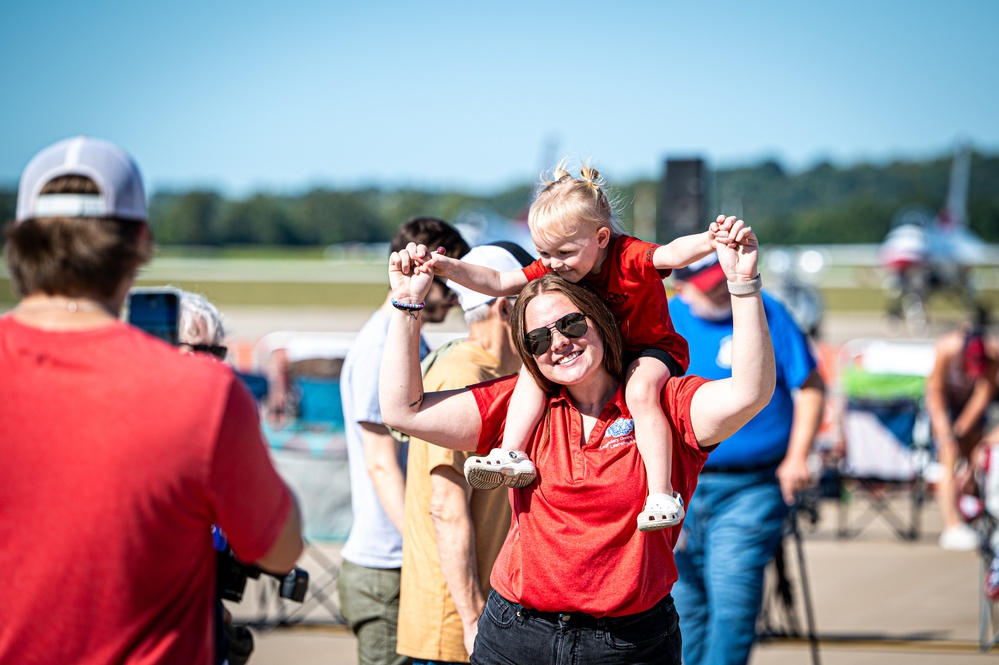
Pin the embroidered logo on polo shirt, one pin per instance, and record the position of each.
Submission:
(621, 432)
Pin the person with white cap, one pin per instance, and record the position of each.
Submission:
(733, 528)
(118, 453)
(453, 533)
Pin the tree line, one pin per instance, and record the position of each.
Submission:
(824, 204)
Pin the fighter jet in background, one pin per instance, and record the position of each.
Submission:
(925, 253)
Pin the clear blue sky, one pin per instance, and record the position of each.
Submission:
(282, 96)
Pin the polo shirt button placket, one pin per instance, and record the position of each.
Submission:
(578, 459)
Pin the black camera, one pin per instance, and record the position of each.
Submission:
(233, 573)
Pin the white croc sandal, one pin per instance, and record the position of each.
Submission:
(500, 467)
(661, 512)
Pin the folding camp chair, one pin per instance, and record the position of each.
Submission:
(886, 434)
(314, 465)
(309, 451)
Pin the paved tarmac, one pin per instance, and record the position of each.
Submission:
(877, 600)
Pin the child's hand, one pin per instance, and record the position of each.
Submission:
(419, 255)
(738, 252)
(421, 259)
(713, 231)
(717, 231)
(436, 262)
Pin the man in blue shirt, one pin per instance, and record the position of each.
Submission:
(734, 525)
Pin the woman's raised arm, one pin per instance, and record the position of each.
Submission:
(449, 419)
(719, 408)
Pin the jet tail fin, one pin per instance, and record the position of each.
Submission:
(955, 212)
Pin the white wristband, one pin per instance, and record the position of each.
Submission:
(745, 288)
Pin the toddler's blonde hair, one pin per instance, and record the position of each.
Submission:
(565, 203)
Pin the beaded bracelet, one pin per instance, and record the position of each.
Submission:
(405, 306)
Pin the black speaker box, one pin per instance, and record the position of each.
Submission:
(682, 205)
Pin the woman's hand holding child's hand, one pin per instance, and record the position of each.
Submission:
(737, 247)
(436, 262)
(409, 278)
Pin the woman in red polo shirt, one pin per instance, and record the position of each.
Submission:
(574, 577)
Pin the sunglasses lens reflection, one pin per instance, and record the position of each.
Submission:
(573, 325)
(537, 341)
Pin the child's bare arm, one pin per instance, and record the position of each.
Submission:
(478, 278)
(683, 251)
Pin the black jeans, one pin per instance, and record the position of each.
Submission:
(510, 634)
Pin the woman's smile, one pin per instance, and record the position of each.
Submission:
(568, 358)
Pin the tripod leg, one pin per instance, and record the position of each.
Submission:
(805, 591)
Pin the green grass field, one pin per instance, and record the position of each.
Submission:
(290, 294)
(354, 294)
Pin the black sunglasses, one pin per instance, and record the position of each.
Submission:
(216, 350)
(539, 340)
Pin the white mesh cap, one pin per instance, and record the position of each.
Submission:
(501, 256)
(115, 173)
